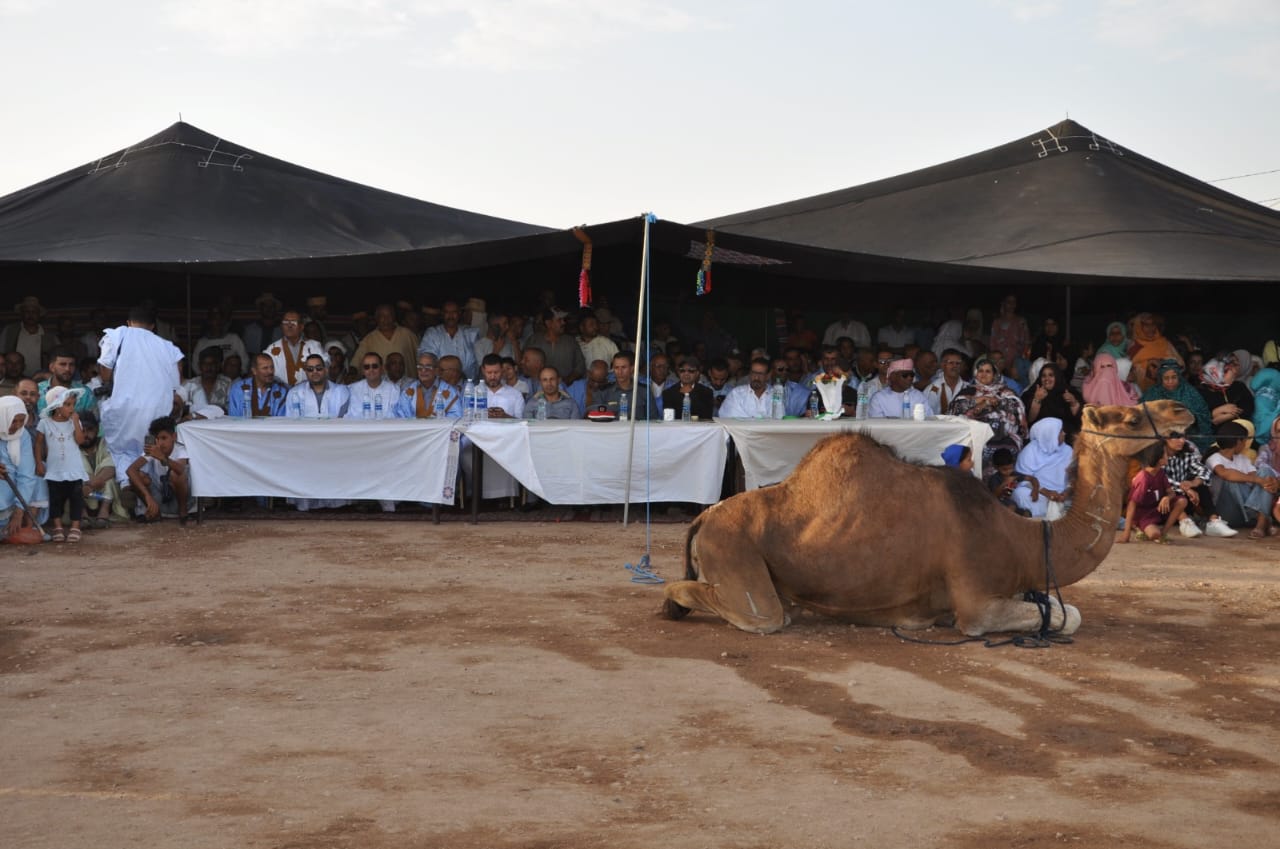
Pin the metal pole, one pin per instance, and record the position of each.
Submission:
(635, 382)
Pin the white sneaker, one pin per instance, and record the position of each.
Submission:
(1188, 527)
(1218, 528)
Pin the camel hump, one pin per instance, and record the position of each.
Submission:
(836, 455)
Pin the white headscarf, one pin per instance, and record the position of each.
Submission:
(1044, 457)
(11, 407)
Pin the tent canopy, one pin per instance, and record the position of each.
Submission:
(184, 199)
(1062, 201)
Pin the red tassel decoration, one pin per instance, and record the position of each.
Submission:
(584, 276)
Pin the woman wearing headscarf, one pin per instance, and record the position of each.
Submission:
(1266, 401)
(989, 400)
(1227, 398)
(1048, 342)
(1149, 348)
(1170, 386)
(1104, 386)
(1047, 459)
(1118, 342)
(1050, 397)
(17, 463)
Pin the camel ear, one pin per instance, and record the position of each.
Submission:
(1090, 416)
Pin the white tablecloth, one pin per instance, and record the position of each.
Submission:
(770, 448)
(392, 459)
(582, 462)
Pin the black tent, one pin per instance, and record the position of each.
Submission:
(1063, 204)
(186, 200)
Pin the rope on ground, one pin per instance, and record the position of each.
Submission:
(642, 573)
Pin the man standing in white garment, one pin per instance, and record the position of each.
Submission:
(846, 326)
(290, 350)
(375, 397)
(144, 373)
(319, 397)
(449, 338)
(751, 400)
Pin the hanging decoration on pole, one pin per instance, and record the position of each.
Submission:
(584, 276)
(704, 273)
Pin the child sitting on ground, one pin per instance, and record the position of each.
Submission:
(1153, 507)
(1004, 479)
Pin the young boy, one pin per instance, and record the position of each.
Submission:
(1244, 493)
(59, 436)
(1004, 479)
(1153, 507)
(159, 477)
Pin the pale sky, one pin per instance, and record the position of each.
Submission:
(561, 112)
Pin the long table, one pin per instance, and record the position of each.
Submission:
(771, 448)
(393, 459)
(583, 462)
(563, 462)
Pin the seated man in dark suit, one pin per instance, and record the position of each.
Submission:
(701, 398)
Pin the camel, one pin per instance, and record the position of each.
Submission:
(858, 534)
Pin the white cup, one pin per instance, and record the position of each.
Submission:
(668, 415)
(917, 412)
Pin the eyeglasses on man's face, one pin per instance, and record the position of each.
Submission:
(427, 367)
(313, 369)
(371, 366)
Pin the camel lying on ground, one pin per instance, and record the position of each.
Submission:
(859, 534)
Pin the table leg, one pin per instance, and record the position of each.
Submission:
(477, 482)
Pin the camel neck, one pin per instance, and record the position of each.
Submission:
(1083, 538)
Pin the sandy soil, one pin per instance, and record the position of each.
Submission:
(366, 684)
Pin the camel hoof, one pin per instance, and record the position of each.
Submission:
(674, 610)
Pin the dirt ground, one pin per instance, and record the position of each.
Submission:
(397, 684)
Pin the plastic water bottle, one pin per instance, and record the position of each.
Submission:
(624, 407)
(814, 405)
(377, 405)
(295, 406)
(542, 409)
(439, 403)
(248, 400)
(366, 408)
(778, 406)
(468, 400)
(481, 403)
(906, 405)
(686, 409)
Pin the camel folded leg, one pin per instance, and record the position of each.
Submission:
(734, 584)
(1014, 614)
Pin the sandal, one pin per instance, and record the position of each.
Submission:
(1253, 534)
(73, 535)
(57, 535)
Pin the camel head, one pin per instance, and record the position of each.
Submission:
(1125, 431)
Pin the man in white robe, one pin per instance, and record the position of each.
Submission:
(144, 372)
(317, 398)
(290, 350)
(504, 402)
(375, 392)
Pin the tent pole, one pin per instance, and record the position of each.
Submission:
(190, 339)
(635, 372)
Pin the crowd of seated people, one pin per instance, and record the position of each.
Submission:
(401, 361)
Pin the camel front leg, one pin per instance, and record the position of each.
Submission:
(733, 583)
(1015, 615)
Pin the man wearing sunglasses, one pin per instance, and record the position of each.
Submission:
(375, 397)
(701, 399)
(318, 397)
